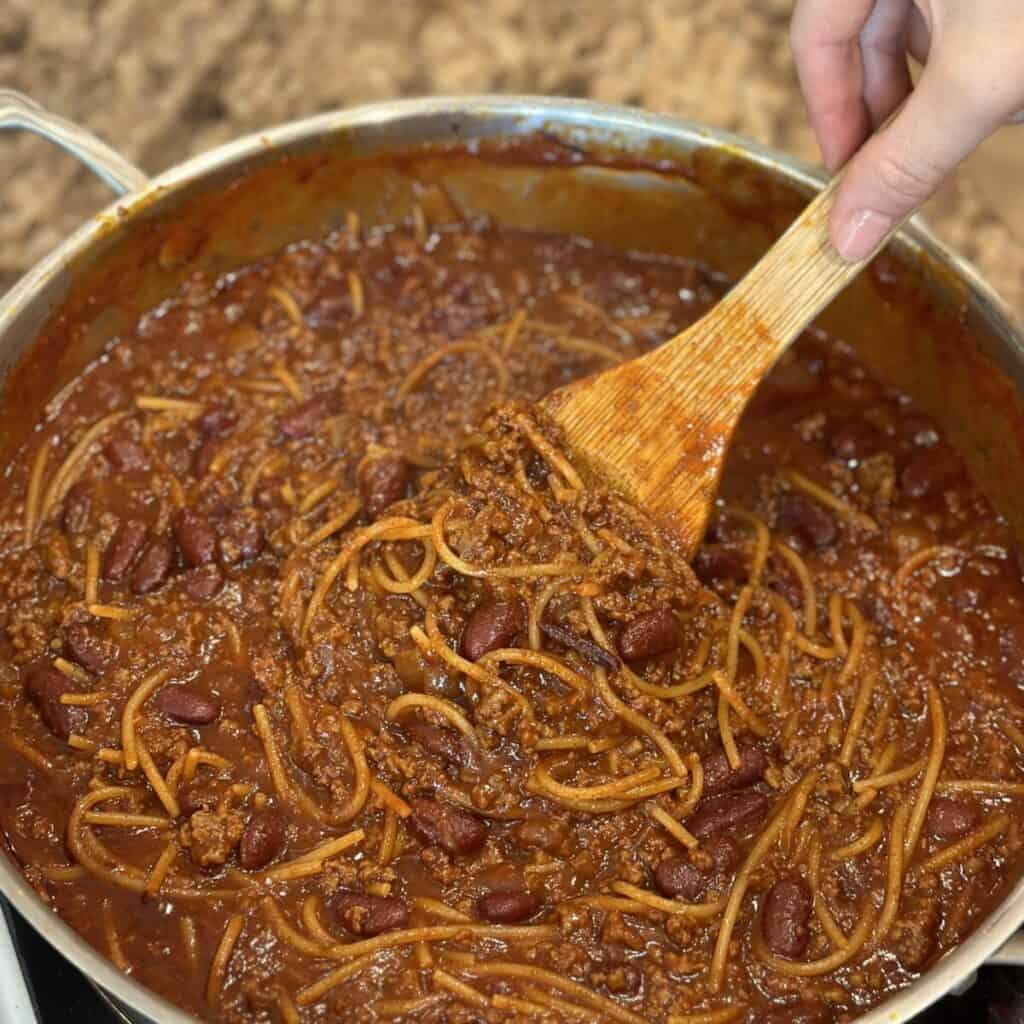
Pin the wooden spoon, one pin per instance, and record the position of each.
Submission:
(657, 429)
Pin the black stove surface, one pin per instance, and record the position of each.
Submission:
(60, 993)
(63, 996)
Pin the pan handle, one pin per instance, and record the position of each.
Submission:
(18, 111)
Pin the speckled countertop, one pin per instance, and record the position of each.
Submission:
(163, 81)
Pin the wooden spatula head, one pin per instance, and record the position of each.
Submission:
(658, 429)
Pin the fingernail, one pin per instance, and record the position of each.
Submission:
(861, 234)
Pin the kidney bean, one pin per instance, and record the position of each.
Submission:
(492, 625)
(125, 455)
(1011, 650)
(241, 541)
(715, 563)
(950, 819)
(650, 634)
(854, 440)
(195, 537)
(123, 549)
(216, 420)
(44, 682)
(383, 482)
(727, 812)
(187, 707)
(262, 840)
(204, 455)
(720, 776)
(77, 506)
(806, 520)
(724, 852)
(363, 914)
(304, 419)
(930, 471)
(540, 834)
(63, 719)
(444, 743)
(785, 917)
(594, 653)
(204, 584)
(678, 877)
(452, 828)
(44, 686)
(154, 566)
(507, 907)
(85, 644)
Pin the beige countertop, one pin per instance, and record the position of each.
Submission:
(163, 81)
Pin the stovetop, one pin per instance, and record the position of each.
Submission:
(60, 992)
(62, 995)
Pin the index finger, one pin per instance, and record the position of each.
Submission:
(825, 36)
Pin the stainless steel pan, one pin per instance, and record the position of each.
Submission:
(923, 318)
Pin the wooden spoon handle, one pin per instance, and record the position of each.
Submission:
(792, 283)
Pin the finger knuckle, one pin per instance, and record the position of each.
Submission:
(795, 35)
(907, 177)
(800, 29)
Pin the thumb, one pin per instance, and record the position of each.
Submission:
(900, 166)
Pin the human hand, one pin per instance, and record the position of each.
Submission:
(851, 57)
